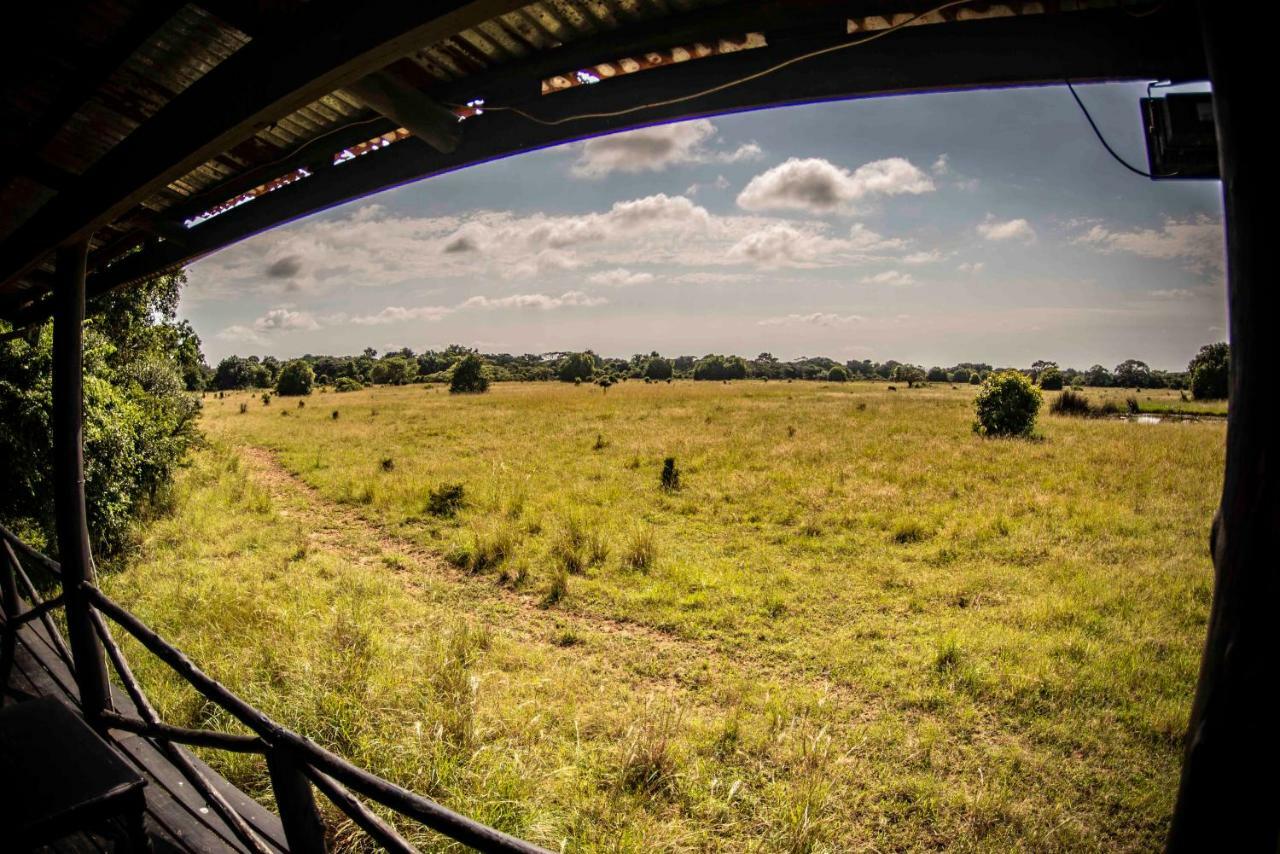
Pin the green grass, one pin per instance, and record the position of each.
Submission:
(856, 625)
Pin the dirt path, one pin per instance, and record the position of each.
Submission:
(332, 526)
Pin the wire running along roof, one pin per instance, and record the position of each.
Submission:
(85, 92)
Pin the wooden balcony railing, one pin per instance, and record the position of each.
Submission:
(294, 762)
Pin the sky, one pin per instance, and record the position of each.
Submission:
(986, 226)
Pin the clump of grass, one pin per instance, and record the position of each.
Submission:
(670, 475)
(446, 499)
(1132, 404)
(601, 443)
(244, 407)
(335, 415)
(1071, 403)
(907, 531)
(266, 398)
(791, 431)
(489, 548)
(640, 552)
(302, 404)
(948, 655)
(648, 764)
(566, 637)
(558, 589)
(388, 464)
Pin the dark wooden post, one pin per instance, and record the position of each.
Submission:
(1230, 791)
(68, 474)
(296, 804)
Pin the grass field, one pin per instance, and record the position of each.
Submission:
(855, 626)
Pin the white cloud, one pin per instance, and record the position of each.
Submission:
(620, 277)
(972, 266)
(817, 318)
(1172, 293)
(400, 314)
(542, 302)
(895, 278)
(819, 186)
(285, 320)
(864, 239)
(1197, 243)
(704, 277)
(240, 332)
(781, 244)
(941, 166)
(1014, 229)
(931, 256)
(654, 149)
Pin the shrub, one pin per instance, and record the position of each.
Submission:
(1051, 379)
(394, 370)
(670, 475)
(1006, 405)
(446, 499)
(244, 407)
(907, 531)
(335, 415)
(837, 375)
(1071, 403)
(1131, 403)
(347, 384)
(558, 589)
(468, 376)
(266, 398)
(296, 378)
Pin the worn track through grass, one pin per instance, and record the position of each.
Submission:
(332, 526)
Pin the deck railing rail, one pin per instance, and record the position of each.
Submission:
(295, 763)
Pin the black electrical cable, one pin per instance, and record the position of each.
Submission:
(1135, 170)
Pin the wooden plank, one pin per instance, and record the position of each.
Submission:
(175, 812)
(325, 46)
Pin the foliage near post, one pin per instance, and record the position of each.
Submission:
(1209, 372)
(1006, 405)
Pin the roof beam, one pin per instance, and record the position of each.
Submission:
(329, 45)
(1041, 49)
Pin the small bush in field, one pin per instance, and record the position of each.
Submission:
(244, 407)
(335, 415)
(1006, 405)
(347, 384)
(266, 398)
(670, 475)
(1131, 403)
(446, 499)
(296, 377)
(1071, 403)
(388, 464)
(907, 531)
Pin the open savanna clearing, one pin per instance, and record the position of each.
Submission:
(856, 625)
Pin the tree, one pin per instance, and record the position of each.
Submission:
(936, 375)
(838, 374)
(394, 370)
(960, 375)
(1006, 405)
(234, 372)
(468, 376)
(1051, 378)
(576, 366)
(658, 368)
(716, 367)
(1133, 374)
(296, 378)
(1210, 372)
(909, 374)
(1098, 377)
(139, 420)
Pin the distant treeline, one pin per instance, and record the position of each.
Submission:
(404, 366)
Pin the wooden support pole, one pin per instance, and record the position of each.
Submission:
(296, 804)
(1228, 795)
(74, 556)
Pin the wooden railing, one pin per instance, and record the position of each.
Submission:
(294, 762)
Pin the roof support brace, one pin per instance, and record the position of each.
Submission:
(68, 475)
